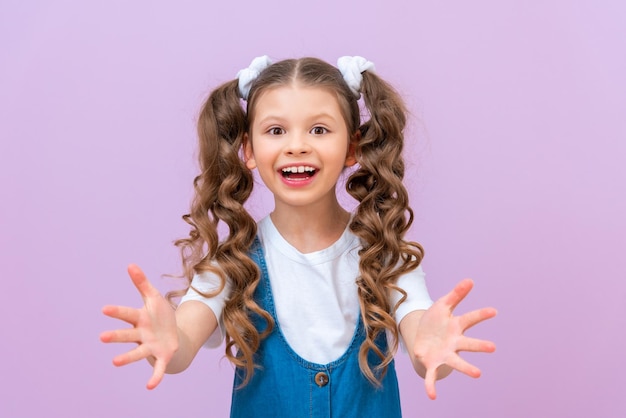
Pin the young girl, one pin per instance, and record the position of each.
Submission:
(312, 300)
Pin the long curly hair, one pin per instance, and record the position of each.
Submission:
(381, 218)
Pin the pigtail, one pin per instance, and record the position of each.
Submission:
(381, 220)
(221, 189)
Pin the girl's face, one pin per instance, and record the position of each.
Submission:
(300, 144)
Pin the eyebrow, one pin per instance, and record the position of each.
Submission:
(271, 118)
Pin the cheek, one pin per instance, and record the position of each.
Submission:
(337, 158)
(261, 158)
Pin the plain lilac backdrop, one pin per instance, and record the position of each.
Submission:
(516, 172)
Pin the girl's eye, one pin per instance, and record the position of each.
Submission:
(276, 131)
(319, 130)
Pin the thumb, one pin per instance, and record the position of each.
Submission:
(157, 374)
(429, 382)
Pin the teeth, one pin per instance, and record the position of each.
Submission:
(298, 169)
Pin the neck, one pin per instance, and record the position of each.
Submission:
(311, 228)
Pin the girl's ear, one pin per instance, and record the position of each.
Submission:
(248, 155)
(351, 157)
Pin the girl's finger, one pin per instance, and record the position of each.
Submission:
(141, 282)
(457, 363)
(130, 335)
(136, 354)
(124, 313)
(457, 294)
(475, 345)
(468, 320)
(429, 383)
(157, 374)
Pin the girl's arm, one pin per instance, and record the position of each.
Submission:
(168, 339)
(434, 337)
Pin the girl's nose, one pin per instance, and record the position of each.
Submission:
(297, 145)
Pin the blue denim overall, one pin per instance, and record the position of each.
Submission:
(288, 386)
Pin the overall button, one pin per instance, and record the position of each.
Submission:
(321, 379)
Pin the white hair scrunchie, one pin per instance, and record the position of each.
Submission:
(351, 69)
(248, 75)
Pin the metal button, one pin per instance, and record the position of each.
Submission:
(321, 379)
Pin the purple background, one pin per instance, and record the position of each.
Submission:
(516, 172)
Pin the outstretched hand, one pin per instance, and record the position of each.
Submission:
(154, 328)
(440, 336)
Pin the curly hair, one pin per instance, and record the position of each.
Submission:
(381, 218)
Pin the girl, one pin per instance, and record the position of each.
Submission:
(312, 300)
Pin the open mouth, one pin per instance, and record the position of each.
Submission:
(301, 172)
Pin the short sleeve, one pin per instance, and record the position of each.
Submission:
(208, 282)
(417, 297)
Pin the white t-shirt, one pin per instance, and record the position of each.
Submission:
(315, 294)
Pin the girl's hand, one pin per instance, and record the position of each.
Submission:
(439, 337)
(154, 328)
